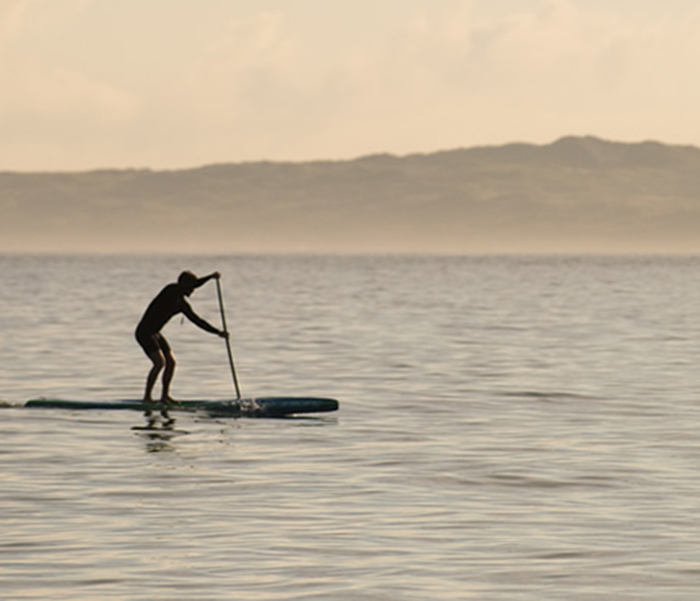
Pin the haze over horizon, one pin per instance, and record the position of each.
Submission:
(117, 84)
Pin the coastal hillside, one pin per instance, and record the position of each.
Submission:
(574, 195)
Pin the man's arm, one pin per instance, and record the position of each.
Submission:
(202, 323)
(206, 278)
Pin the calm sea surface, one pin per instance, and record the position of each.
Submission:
(516, 429)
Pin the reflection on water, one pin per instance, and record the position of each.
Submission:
(159, 429)
(159, 413)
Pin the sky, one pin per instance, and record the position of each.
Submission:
(169, 84)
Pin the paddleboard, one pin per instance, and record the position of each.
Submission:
(245, 407)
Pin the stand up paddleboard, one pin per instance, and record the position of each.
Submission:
(246, 407)
(238, 407)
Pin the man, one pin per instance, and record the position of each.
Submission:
(169, 302)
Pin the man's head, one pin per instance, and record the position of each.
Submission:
(187, 282)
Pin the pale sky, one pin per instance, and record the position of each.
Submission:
(90, 84)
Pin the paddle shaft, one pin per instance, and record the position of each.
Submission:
(228, 342)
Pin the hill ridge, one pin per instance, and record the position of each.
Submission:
(576, 194)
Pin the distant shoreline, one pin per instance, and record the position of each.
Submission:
(576, 195)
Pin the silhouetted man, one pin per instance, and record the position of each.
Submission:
(169, 302)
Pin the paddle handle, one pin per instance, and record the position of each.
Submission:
(228, 342)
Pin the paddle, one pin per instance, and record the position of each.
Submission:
(228, 342)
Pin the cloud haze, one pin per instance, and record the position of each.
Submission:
(121, 83)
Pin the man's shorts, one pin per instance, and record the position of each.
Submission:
(151, 343)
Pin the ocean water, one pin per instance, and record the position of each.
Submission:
(510, 428)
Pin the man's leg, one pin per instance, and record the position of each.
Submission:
(158, 361)
(170, 364)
